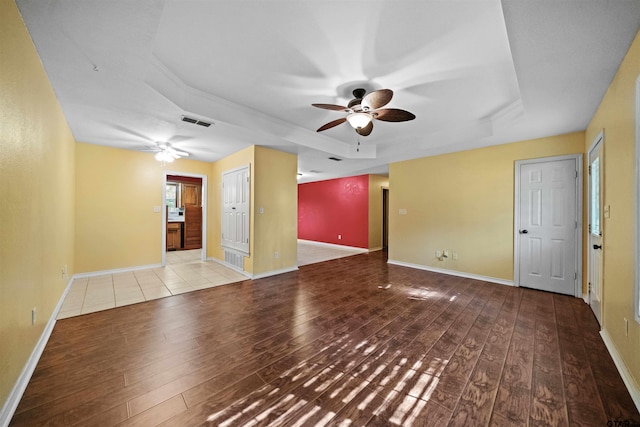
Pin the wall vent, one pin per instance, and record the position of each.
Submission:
(235, 259)
(335, 159)
(314, 171)
(195, 121)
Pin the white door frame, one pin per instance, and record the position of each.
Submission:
(598, 140)
(165, 173)
(516, 217)
(636, 302)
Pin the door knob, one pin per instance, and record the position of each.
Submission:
(597, 246)
(524, 231)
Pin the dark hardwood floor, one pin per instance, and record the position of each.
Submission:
(327, 346)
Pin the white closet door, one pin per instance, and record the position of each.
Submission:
(236, 185)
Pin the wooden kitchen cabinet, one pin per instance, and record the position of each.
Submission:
(191, 194)
(174, 236)
(192, 227)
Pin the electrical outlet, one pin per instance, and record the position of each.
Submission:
(339, 236)
(276, 254)
(454, 255)
(445, 253)
(438, 254)
(33, 316)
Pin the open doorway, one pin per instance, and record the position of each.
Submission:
(184, 213)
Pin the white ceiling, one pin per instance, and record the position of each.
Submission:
(475, 73)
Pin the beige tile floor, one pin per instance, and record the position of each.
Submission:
(184, 272)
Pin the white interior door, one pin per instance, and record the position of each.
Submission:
(236, 185)
(547, 225)
(595, 228)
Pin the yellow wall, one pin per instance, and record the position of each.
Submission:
(116, 191)
(616, 116)
(37, 193)
(463, 202)
(376, 184)
(276, 229)
(274, 188)
(241, 158)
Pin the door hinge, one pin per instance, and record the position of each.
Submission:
(589, 228)
(589, 288)
(576, 225)
(576, 174)
(575, 275)
(589, 169)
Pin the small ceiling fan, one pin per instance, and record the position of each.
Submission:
(166, 153)
(364, 108)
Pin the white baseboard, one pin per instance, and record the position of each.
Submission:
(629, 381)
(453, 273)
(115, 271)
(11, 404)
(274, 272)
(332, 245)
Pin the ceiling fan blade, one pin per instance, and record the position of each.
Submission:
(365, 131)
(377, 99)
(331, 107)
(332, 124)
(393, 115)
(131, 132)
(181, 153)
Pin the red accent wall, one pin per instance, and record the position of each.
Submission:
(332, 207)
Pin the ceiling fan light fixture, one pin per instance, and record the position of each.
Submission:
(359, 120)
(165, 157)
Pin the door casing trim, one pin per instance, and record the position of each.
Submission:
(578, 285)
(203, 201)
(599, 139)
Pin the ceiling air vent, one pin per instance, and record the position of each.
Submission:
(314, 171)
(335, 159)
(195, 121)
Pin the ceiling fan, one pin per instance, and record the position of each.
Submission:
(166, 153)
(364, 108)
(164, 150)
